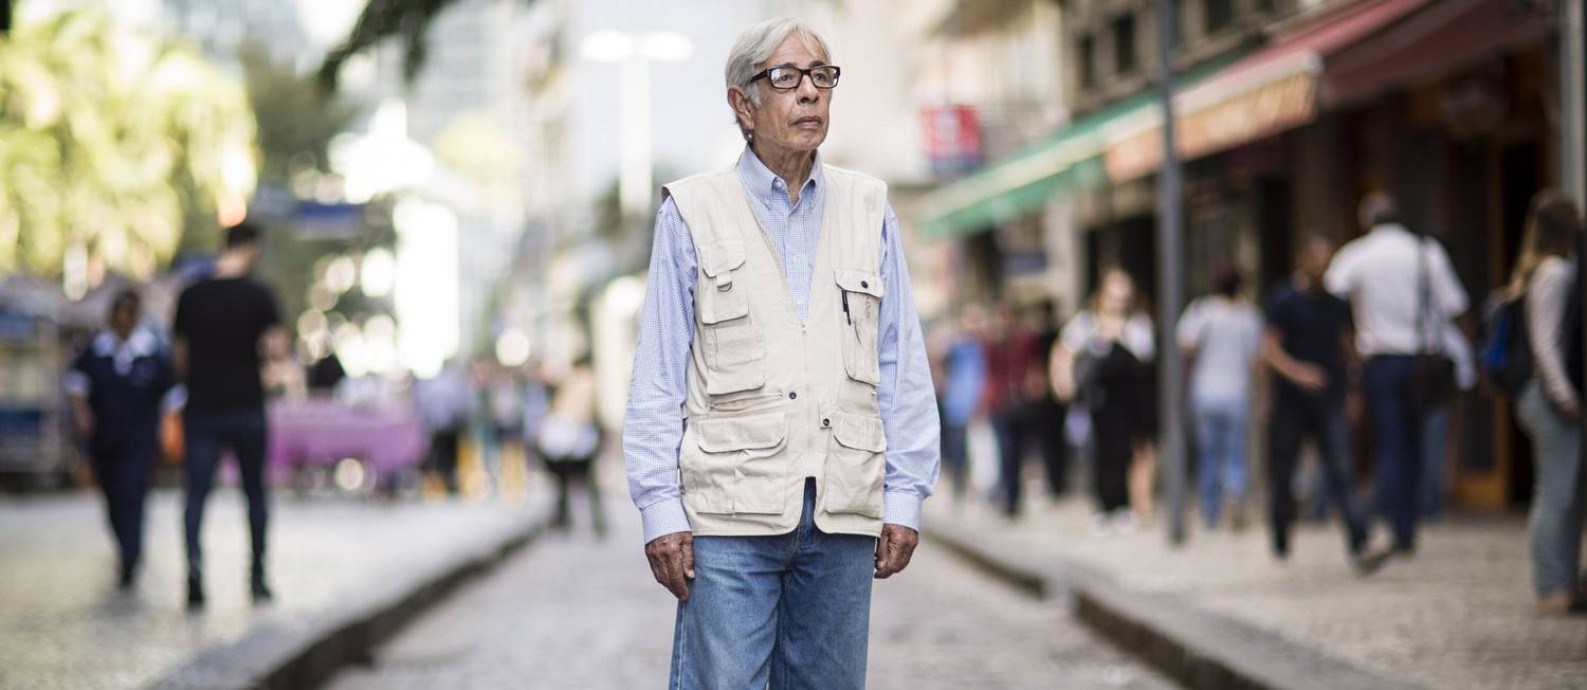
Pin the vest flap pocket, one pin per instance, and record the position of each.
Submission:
(868, 282)
(748, 433)
(721, 257)
(716, 306)
(859, 433)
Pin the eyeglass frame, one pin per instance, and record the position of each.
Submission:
(837, 74)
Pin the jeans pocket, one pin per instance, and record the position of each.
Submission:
(856, 466)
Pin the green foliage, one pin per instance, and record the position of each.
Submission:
(108, 140)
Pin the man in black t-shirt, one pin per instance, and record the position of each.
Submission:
(225, 325)
(1306, 347)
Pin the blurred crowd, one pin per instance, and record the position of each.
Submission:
(1366, 345)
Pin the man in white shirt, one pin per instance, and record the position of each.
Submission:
(1387, 275)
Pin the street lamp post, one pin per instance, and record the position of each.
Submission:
(1169, 251)
(633, 53)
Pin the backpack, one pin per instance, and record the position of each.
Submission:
(1505, 355)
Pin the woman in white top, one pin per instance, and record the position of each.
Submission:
(1549, 406)
(1221, 334)
(1101, 360)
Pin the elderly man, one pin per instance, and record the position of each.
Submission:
(781, 376)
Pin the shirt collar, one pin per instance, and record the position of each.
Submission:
(1391, 229)
(765, 184)
(139, 344)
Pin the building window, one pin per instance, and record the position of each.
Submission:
(1125, 55)
(1088, 62)
(1220, 14)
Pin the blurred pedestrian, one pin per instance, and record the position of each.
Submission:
(1011, 357)
(117, 385)
(1550, 405)
(227, 327)
(779, 321)
(569, 440)
(964, 385)
(1046, 413)
(1402, 288)
(1306, 346)
(1221, 334)
(446, 403)
(1100, 363)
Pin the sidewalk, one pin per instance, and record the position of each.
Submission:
(1455, 616)
(63, 624)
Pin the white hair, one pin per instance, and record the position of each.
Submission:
(756, 45)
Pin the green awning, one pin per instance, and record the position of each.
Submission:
(1070, 159)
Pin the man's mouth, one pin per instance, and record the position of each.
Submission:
(811, 121)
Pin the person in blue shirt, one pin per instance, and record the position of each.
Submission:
(117, 386)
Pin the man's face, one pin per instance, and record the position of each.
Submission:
(795, 119)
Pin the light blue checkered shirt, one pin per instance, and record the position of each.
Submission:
(653, 426)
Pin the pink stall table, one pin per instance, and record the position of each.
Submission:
(318, 433)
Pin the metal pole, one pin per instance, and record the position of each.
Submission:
(1171, 443)
(1573, 102)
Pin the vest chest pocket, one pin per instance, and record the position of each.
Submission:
(856, 465)
(861, 295)
(739, 468)
(734, 346)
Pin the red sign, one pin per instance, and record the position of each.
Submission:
(953, 139)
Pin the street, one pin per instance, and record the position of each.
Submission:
(573, 612)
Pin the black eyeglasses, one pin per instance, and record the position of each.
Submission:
(785, 78)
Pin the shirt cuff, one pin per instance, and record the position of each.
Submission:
(663, 518)
(76, 383)
(175, 400)
(902, 508)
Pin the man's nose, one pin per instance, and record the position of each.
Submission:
(808, 93)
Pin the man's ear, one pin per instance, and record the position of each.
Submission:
(743, 108)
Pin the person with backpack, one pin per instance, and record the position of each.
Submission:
(1549, 405)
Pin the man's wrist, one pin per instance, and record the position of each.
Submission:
(901, 508)
(664, 517)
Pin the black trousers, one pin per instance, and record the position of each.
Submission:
(567, 472)
(1324, 423)
(1041, 423)
(443, 452)
(207, 436)
(123, 475)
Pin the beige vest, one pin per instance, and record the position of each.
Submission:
(773, 399)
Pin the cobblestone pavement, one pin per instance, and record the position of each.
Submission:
(1456, 615)
(571, 612)
(63, 625)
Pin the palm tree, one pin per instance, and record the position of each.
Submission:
(108, 139)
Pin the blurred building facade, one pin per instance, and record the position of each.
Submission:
(1287, 113)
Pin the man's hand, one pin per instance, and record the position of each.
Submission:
(1309, 378)
(893, 550)
(672, 562)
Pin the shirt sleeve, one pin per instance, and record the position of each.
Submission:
(1340, 278)
(1190, 325)
(1076, 333)
(1546, 299)
(653, 422)
(1138, 338)
(906, 395)
(77, 381)
(1447, 290)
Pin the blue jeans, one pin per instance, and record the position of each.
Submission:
(1435, 441)
(793, 610)
(1559, 496)
(207, 435)
(1220, 441)
(1397, 439)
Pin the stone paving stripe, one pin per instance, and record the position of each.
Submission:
(1199, 648)
(281, 656)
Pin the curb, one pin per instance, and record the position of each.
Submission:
(305, 655)
(1201, 649)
